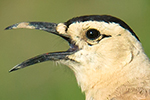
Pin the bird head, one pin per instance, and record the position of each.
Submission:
(102, 48)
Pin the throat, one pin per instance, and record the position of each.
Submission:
(102, 85)
(99, 78)
(96, 84)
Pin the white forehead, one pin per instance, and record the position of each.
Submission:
(110, 28)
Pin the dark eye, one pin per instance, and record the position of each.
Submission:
(92, 34)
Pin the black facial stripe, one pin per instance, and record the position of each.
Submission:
(103, 36)
(105, 18)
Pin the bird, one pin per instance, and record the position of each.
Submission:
(105, 54)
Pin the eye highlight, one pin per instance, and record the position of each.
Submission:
(92, 34)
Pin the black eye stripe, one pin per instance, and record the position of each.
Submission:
(93, 34)
(103, 36)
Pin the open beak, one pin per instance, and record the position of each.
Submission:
(55, 56)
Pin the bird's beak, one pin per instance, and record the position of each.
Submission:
(55, 56)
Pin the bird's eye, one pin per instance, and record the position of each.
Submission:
(92, 34)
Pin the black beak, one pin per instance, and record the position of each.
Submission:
(49, 27)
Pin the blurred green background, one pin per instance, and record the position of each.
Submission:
(49, 81)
